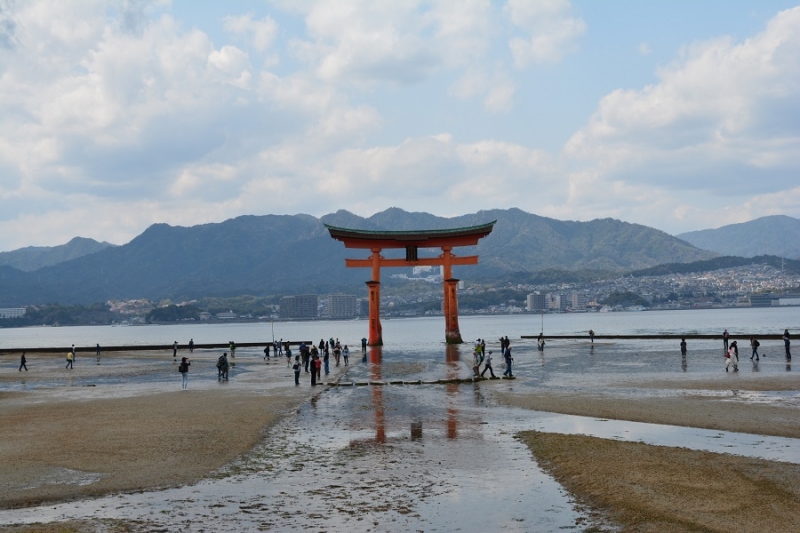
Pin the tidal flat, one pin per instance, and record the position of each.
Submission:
(118, 447)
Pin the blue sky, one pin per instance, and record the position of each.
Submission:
(118, 115)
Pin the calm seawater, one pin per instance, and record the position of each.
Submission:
(419, 332)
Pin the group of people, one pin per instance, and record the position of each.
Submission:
(732, 349)
(278, 348)
(505, 348)
(313, 358)
(481, 356)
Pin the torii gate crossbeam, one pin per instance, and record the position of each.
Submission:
(446, 240)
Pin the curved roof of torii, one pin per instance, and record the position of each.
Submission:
(429, 238)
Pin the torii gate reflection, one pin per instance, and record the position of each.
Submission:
(375, 359)
(446, 240)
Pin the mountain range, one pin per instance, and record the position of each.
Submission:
(771, 235)
(33, 258)
(286, 254)
(291, 254)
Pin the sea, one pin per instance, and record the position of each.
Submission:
(419, 332)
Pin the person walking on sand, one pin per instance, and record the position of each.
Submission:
(488, 365)
(183, 368)
(175, 349)
(317, 367)
(22, 362)
(225, 367)
(191, 345)
(732, 357)
(725, 337)
(296, 367)
(305, 356)
(345, 354)
(219, 368)
(313, 373)
(509, 360)
(70, 359)
(683, 346)
(232, 348)
(754, 344)
(476, 362)
(591, 335)
(337, 353)
(540, 343)
(74, 355)
(786, 342)
(266, 353)
(326, 360)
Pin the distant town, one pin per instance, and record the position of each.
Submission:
(420, 294)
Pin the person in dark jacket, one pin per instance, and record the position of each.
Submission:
(22, 362)
(183, 368)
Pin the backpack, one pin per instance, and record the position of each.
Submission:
(756, 344)
(182, 368)
(219, 362)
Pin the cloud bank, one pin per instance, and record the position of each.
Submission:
(118, 115)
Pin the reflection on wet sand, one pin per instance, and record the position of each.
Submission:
(453, 368)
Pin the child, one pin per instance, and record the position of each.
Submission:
(296, 368)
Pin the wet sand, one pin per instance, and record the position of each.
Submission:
(654, 488)
(64, 442)
(129, 443)
(688, 411)
(660, 481)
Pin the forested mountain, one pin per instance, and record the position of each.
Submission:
(773, 235)
(33, 258)
(286, 254)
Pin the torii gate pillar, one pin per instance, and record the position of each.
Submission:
(451, 332)
(375, 330)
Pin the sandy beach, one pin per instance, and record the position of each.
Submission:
(690, 410)
(70, 442)
(68, 438)
(654, 488)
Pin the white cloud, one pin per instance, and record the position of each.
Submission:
(496, 87)
(552, 28)
(115, 118)
(261, 33)
(359, 41)
(724, 116)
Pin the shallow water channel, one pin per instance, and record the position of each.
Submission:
(403, 457)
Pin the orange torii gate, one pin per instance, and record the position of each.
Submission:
(446, 239)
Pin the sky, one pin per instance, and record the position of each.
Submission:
(118, 115)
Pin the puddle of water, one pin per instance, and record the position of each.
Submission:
(782, 449)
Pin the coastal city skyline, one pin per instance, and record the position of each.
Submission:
(118, 115)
